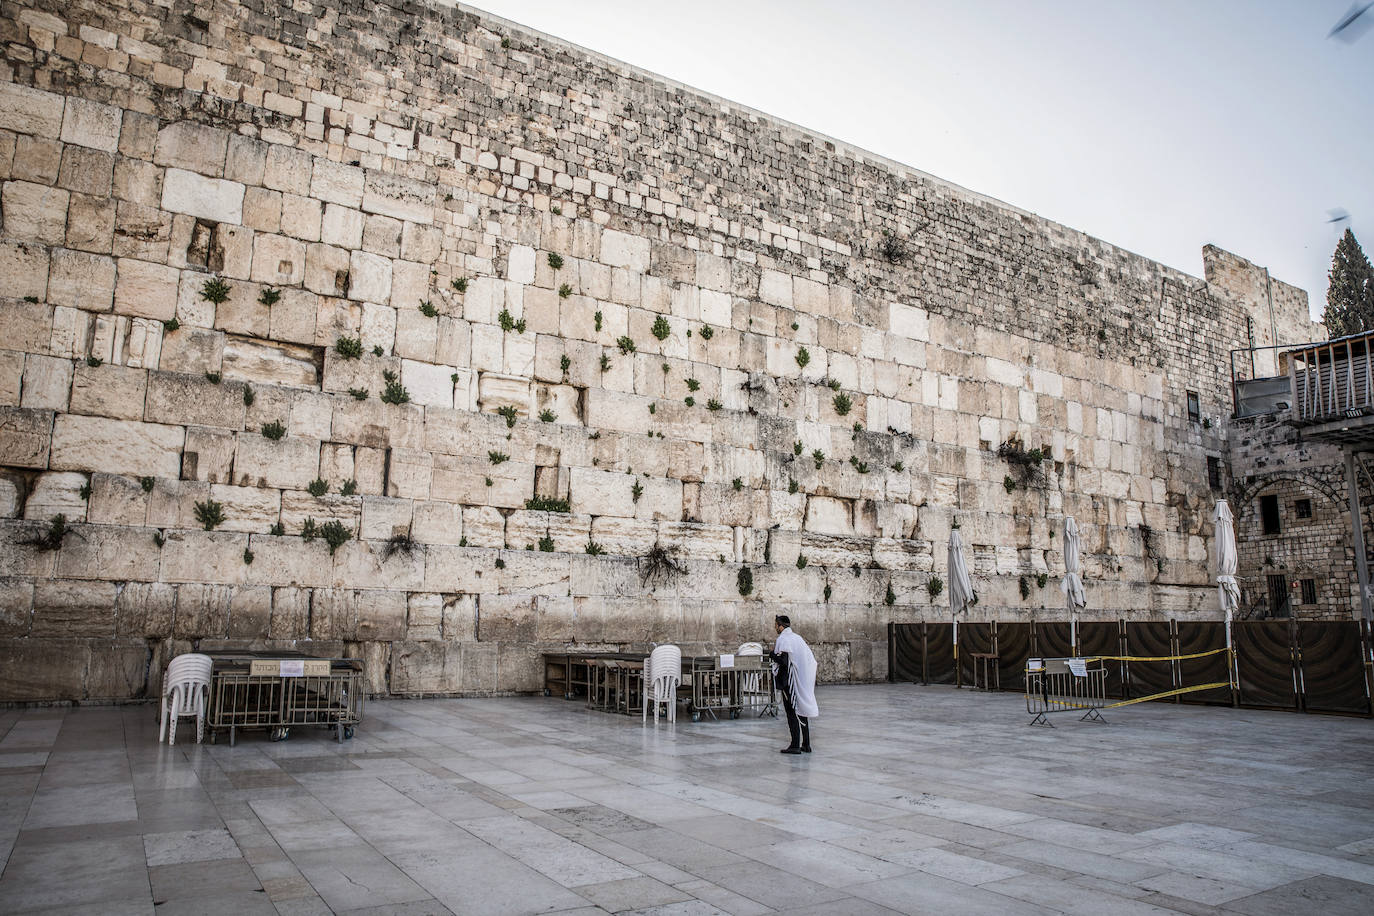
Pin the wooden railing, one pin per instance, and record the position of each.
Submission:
(1331, 379)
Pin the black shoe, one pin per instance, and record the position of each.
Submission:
(790, 750)
(806, 750)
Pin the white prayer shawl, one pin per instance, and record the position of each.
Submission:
(801, 675)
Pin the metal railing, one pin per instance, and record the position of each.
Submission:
(1331, 379)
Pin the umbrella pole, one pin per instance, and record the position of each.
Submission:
(955, 620)
(1073, 634)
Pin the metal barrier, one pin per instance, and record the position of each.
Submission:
(730, 684)
(274, 692)
(1063, 685)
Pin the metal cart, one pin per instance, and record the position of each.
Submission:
(730, 684)
(278, 690)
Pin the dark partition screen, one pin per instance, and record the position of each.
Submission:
(1264, 663)
(1013, 647)
(1333, 678)
(973, 637)
(1203, 636)
(1103, 637)
(939, 655)
(905, 651)
(1149, 639)
(1051, 639)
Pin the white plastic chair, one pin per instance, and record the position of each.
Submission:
(185, 692)
(662, 677)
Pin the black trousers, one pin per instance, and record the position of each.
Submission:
(797, 725)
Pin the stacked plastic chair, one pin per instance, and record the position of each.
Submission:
(185, 692)
(662, 677)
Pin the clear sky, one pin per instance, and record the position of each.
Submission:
(1156, 125)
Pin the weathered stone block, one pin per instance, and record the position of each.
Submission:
(47, 382)
(116, 446)
(34, 671)
(214, 557)
(56, 493)
(419, 668)
(247, 509)
(336, 183)
(195, 147)
(369, 277)
(437, 522)
(398, 197)
(289, 463)
(30, 111)
(65, 608)
(208, 198)
(146, 289)
(23, 273)
(116, 500)
(35, 212)
(25, 436)
(193, 351)
(382, 518)
(81, 280)
(111, 554)
(145, 609)
(91, 124)
(269, 363)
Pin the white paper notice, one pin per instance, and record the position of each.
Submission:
(292, 667)
(1078, 666)
(727, 661)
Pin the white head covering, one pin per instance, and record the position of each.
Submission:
(801, 675)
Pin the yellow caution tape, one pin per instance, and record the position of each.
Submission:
(1064, 704)
(1152, 658)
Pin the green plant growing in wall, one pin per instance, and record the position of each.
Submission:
(210, 514)
(509, 413)
(842, 403)
(460, 285)
(506, 320)
(539, 503)
(159, 538)
(348, 488)
(834, 384)
(273, 430)
(661, 328)
(693, 384)
(1041, 579)
(706, 332)
(318, 487)
(605, 363)
(594, 549)
(546, 544)
(269, 296)
(377, 350)
(792, 486)
(565, 363)
(497, 457)
(797, 448)
(171, 324)
(1024, 587)
(428, 310)
(94, 361)
(801, 561)
(248, 396)
(349, 347)
(818, 456)
(247, 556)
(214, 290)
(934, 586)
(335, 535)
(565, 290)
(547, 416)
(597, 319)
(689, 401)
(359, 394)
(713, 405)
(1008, 483)
(490, 481)
(500, 563)
(738, 484)
(51, 538)
(395, 392)
(214, 378)
(636, 491)
(653, 407)
(147, 483)
(626, 345)
(744, 581)
(277, 529)
(898, 467)
(309, 530)
(891, 597)
(803, 357)
(555, 261)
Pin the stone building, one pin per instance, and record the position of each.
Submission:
(398, 331)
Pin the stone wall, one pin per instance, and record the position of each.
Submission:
(407, 273)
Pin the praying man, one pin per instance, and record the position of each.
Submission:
(794, 673)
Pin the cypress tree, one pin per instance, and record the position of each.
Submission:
(1350, 295)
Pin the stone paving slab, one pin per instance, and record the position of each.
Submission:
(916, 800)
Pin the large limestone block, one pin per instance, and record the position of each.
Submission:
(336, 183)
(67, 608)
(278, 260)
(57, 493)
(398, 197)
(620, 249)
(145, 609)
(35, 212)
(369, 277)
(484, 526)
(297, 506)
(616, 410)
(661, 499)
(81, 280)
(208, 198)
(146, 289)
(289, 561)
(46, 670)
(623, 536)
(383, 518)
(520, 264)
(428, 384)
(194, 147)
(208, 454)
(425, 616)
(289, 463)
(691, 540)
(116, 446)
(110, 553)
(381, 614)
(247, 508)
(30, 111)
(458, 569)
(426, 668)
(595, 492)
(495, 391)
(91, 124)
(411, 473)
(203, 610)
(23, 273)
(187, 400)
(9, 498)
(47, 382)
(367, 563)
(529, 573)
(212, 557)
(116, 500)
(437, 522)
(269, 363)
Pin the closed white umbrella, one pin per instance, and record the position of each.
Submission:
(1227, 589)
(960, 586)
(1073, 580)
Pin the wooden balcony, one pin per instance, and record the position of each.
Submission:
(1333, 397)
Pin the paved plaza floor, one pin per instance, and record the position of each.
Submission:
(916, 800)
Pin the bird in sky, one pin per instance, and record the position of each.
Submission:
(1338, 215)
(1352, 25)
